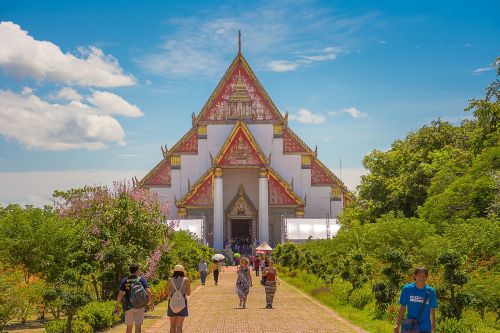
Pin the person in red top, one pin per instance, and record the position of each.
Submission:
(256, 266)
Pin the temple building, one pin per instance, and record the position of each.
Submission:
(241, 167)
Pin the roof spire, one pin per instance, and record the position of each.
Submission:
(239, 41)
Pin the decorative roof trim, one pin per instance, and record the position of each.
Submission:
(240, 124)
(181, 141)
(299, 141)
(287, 187)
(151, 173)
(345, 191)
(194, 188)
(239, 57)
(241, 194)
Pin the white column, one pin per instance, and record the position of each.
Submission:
(263, 206)
(218, 211)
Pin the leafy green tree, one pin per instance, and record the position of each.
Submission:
(10, 300)
(454, 277)
(120, 225)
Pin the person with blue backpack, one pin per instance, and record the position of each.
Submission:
(421, 302)
(134, 294)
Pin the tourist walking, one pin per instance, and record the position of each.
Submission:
(256, 266)
(216, 267)
(270, 275)
(134, 295)
(421, 301)
(243, 282)
(178, 288)
(203, 271)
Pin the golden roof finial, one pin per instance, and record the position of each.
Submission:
(239, 41)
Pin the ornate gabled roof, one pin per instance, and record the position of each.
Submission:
(241, 205)
(293, 144)
(239, 95)
(321, 175)
(159, 176)
(281, 194)
(187, 144)
(241, 149)
(200, 194)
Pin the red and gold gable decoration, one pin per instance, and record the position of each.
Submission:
(239, 98)
(279, 195)
(319, 176)
(291, 144)
(160, 175)
(201, 196)
(241, 151)
(188, 144)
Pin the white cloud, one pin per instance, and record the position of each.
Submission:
(382, 42)
(352, 111)
(23, 56)
(68, 94)
(305, 116)
(480, 71)
(111, 104)
(38, 124)
(328, 53)
(282, 66)
(36, 187)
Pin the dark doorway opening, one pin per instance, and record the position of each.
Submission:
(240, 228)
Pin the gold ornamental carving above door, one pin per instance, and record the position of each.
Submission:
(241, 206)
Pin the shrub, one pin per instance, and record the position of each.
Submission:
(59, 326)
(292, 273)
(452, 325)
(340, 291)
(360, 298)
(99, 315)
(159, 291)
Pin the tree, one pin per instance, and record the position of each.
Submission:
(120, 225)
(454, 277)
(10, 300)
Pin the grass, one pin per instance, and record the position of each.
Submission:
(364, 318)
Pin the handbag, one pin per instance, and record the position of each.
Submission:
(410, 325)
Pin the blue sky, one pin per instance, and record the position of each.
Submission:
(89, 90)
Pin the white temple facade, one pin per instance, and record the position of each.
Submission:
(241, 167)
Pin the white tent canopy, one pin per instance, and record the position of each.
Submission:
(263, 247)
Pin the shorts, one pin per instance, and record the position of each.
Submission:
(134, 316)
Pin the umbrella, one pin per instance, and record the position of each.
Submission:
(263, 247)
(261, 252)
(218, 257)
(237, 254)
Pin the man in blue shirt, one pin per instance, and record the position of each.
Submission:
(133, 316)
(412, 297)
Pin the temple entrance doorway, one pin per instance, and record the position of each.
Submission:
(241, 229)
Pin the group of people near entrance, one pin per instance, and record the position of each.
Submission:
(417, 299)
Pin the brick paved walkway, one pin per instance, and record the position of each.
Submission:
(214, 309)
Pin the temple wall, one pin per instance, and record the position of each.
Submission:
(263, 134)
(288, 166)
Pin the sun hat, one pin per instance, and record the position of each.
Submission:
(180, 268)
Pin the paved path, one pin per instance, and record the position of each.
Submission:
(214, 309)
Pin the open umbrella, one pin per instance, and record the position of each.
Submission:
(263, 247)
(218, 257)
